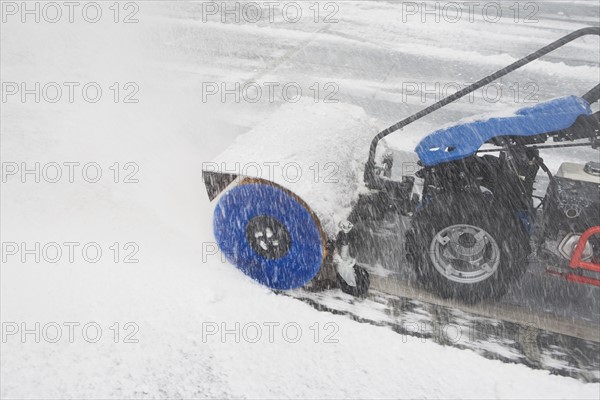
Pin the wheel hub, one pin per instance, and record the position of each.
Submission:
(268, 237)
(467, 240)
(465, 253)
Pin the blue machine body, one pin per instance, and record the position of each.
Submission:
(460, 141)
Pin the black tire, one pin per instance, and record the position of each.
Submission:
(362, 283)
(501, 239)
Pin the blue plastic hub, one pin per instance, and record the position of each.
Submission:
(240, 217)
(460, 141)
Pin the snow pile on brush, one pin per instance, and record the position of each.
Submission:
(316, 150)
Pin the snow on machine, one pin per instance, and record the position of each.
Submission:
(467, 194)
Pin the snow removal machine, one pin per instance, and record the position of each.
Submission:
(468, 216)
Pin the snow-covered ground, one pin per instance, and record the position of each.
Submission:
(171, 308)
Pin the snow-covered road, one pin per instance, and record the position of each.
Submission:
(122, 239)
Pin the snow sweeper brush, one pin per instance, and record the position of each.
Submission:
(473, 218)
